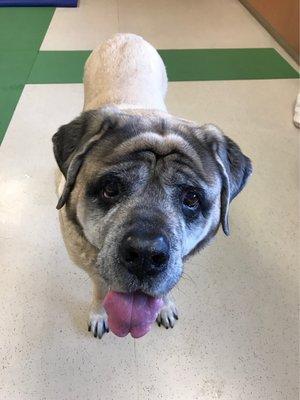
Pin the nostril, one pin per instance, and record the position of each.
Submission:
(131, 256)
(158, 259)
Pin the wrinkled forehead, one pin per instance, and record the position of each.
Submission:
(134, 138)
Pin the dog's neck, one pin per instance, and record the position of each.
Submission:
(155, 104)
(126, 106)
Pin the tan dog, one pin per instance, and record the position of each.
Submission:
(141, 190)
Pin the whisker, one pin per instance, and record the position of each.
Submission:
(189, 278)
(179, 290)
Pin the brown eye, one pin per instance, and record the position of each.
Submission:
(190, 199)
(110, 190)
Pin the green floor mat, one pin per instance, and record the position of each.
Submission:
(182, 65)
(23, 28)
(21, 33)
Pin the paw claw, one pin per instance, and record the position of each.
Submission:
(168, 315)
(171, 322)
(98, 322)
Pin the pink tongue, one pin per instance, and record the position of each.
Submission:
(131, 312)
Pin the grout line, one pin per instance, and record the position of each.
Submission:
(118, 15)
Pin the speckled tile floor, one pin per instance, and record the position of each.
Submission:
(237, 337)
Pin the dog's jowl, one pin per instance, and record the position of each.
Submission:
(140, 190)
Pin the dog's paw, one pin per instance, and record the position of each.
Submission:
(98, 324)
(168, 315)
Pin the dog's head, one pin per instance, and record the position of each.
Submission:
(147, 190)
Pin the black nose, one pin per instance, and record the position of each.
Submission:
(144, 253)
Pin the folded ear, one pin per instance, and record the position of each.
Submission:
(68, 138)
(72, 142)
(235, 168)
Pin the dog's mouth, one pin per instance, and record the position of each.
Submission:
(131, 313)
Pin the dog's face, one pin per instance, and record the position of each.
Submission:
(147, 190)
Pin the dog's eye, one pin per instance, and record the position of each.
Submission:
(190, 199)
(110, 190)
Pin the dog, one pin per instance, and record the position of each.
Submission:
(140, 190)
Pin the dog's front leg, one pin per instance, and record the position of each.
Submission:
(168, 314)
(98, 324)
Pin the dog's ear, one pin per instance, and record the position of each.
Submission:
(235, 168)
(67, 140)
(73, 141)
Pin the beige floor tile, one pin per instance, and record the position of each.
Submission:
(167, 24)
(175, 24)
(237, 334)
(82, 28)
(192, 24)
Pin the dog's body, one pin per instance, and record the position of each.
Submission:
(132, 173)
(125, 71)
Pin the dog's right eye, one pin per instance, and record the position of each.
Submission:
(110, 190)
(106, 190)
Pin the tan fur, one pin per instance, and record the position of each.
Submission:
(125, 71)
(125, 82)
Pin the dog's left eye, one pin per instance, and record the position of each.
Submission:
(190, 199)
